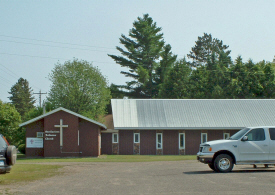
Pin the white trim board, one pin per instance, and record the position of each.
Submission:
(65, 110)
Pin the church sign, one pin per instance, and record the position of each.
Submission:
(33, 142)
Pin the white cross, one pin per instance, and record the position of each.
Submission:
(61, 131)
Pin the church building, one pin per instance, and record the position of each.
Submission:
(62, 133)
(145, 127)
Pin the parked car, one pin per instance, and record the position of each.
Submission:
(8, 155)
(252, 145)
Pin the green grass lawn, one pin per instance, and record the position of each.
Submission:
(110, 158)
(28, 172)
(29, 169)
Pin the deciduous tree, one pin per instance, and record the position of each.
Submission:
(80, 87)
(9, 123)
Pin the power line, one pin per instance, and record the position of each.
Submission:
(6, 80)
(52, 46)
(17, 77)
(57, 42)
(33, 56)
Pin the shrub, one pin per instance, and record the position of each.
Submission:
(22, 148)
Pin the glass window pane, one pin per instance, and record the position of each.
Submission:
(272, 133)
(3, 143)
(256, 135)
(159, 138)
(204, 137)
(181, 140)
(136, 137)
(115, 138)
(159, 141)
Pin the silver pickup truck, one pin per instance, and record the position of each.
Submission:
(252, 145)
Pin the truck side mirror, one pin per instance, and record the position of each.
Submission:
(245, 138)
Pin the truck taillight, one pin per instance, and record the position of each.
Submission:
(6, 140)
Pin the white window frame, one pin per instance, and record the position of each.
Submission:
(157, 141)
(113, 138)
(202, 134)
(224, 135)
(39, 134)
(183, 140)
(138, 138)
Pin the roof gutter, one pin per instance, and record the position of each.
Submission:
(178, 128)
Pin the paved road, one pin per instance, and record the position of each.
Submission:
(180, 177)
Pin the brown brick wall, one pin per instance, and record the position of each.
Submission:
(148, 142)
(106, 143)
(170, 142)
(126, 142)
(31, 130)
(192, 141)
(70, 135)
(88, 138)
(214, 135)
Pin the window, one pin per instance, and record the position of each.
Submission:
(3, 143)
(136, 137)
(226, 135)
(256, 135)
(272, 133)
(39, 134)
(159, 140)
(203, 137)
(115, 137)
(181, 140)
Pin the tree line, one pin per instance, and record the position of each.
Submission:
(154, 71)
(208, 72)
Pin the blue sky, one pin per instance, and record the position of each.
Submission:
(35, 35)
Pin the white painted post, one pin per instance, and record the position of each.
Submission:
(78, 138)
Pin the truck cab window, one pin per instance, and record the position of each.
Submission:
(272, 133)
(256, 135)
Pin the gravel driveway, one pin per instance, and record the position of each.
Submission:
(178, 177)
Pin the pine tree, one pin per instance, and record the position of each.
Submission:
(142, 55)
(175, 85)
(205, 47)
(22, 96)
(165, 65)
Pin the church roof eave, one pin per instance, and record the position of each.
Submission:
(65, 110)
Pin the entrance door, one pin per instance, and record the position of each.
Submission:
(256, 147)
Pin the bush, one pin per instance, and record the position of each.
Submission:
(22, 148)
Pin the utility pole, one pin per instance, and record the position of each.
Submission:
(40, 94)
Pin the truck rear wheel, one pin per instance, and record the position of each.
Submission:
(223, 163)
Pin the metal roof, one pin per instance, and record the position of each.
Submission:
(192, 113)
(65, 110)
